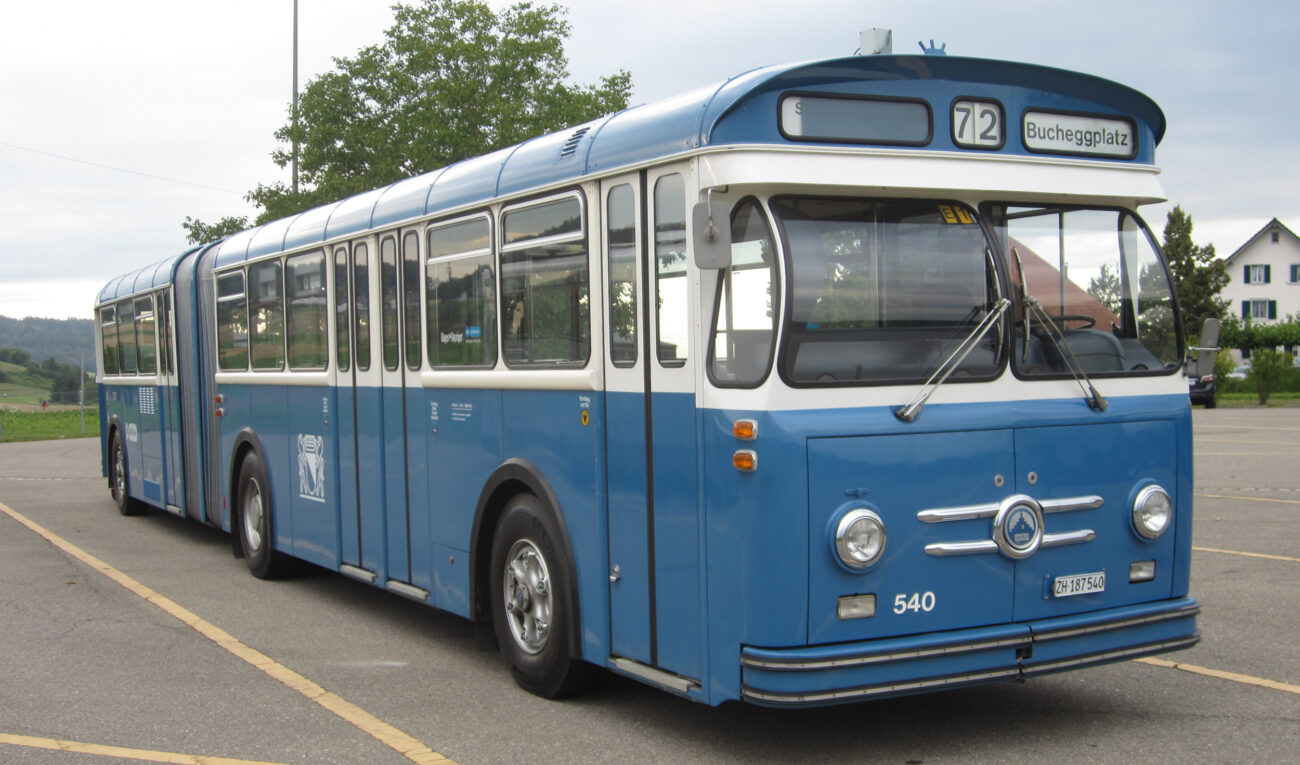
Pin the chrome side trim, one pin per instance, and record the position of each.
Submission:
(866, 659)
(408, 590)
(1074, 503)
(818, 697)
(977, 547)
(360, 574)
(1111, 656)
(1068, 538)
(655, 676)
(957, 513)
(1133, 621)
(968, 512)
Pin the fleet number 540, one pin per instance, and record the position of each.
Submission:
(916, 602)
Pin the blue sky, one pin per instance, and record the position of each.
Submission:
(119, 119)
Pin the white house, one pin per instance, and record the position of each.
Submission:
(1265, 275)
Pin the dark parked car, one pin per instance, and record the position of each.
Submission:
(1201, 389)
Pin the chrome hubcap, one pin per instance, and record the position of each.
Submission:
(527, 590)
(252, 512)
(119, 473)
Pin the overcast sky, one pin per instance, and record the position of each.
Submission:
(118, 119)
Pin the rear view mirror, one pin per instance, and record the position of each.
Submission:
(711, 227)
(1208, 348)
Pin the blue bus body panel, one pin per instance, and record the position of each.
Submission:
(314, 495)
(625, 447)
(949, 457)
(309, 227)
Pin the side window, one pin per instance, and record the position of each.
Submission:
(545, 307)
(126, 337)
(670, 270)
(266, 311)
(145, 344)
(342, 300)
(165, 332)
(232, 323)
(621, 235)
(411, 297)
(108, 336)
(388, 300)
(307, 311)
(745, 323)
(361, 304)
(461, 295)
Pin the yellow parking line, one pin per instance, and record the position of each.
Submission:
(1220, 674)
(1251, 499)
(1248, 554)
(406, 745)
(148, 755)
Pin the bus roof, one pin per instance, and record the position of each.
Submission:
(741, 110)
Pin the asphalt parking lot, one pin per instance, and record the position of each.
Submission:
(144, 640)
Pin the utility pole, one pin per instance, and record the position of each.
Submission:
(295, 97)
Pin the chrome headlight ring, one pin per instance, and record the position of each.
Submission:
(859, 539)
(1153, 512)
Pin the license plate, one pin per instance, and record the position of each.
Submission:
(1079, 584)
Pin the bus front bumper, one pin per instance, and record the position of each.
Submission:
(845, 672)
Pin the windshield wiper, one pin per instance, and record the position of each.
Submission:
(1054, 333)
(909, 411)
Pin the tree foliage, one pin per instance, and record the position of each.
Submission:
(1198, 274)
(452, 79)
(199, 232)
(1267, 369)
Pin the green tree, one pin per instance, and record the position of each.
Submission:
(1198, 274)
(1267, 368)
(198, 232)
(452, 79)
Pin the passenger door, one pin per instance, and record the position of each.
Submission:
(651, 430)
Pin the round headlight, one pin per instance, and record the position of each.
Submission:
(860, 538)
(1153, 511)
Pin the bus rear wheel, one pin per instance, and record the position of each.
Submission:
(256, 522)
(531, 608)
(117, 479)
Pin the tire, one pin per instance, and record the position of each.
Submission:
(255, 522)
(118, 479)
(531, 609)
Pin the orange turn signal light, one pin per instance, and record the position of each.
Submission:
(745, 460)
(745, 430)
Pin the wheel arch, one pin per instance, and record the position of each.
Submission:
(513, 477)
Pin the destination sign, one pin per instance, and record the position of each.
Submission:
(1058, 133)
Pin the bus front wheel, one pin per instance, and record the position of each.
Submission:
(531, 609)
(117, 477)
(256, 524)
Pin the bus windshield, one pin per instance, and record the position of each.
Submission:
(1099, 278)
(884, 291)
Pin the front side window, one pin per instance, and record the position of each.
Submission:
(884, 292)
(745, 321)
(545, 303)
(461, 286)
(1100, 279)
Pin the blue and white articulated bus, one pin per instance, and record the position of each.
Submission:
(835, 381)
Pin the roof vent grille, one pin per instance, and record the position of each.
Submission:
(571, 145)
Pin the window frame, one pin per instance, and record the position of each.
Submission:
(431, 311)
(505, 248)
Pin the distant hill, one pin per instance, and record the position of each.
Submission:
(64, 340)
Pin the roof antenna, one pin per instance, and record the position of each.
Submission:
(933, 51)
